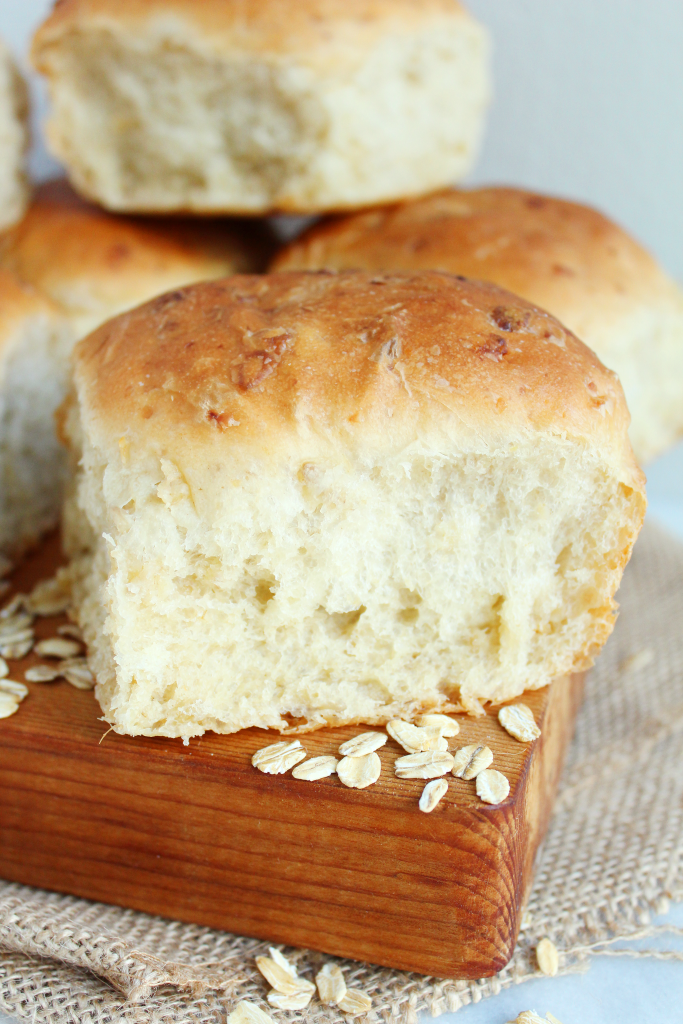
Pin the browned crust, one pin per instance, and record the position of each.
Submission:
(64, 243)
(560, 255)
(255, 25)
(380, 360)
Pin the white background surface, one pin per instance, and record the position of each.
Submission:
(589, 105)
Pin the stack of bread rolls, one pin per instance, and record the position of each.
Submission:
(386, 476)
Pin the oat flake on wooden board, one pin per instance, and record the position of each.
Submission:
(621, 781)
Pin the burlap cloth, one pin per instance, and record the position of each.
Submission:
(613, 855)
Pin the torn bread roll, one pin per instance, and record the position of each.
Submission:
(263, 105)
(563, 256)
(325, 498)
(94, 264)
(14, 139)
(35, 342)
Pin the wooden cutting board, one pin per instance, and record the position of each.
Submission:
(196, 833)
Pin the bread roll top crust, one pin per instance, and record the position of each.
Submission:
(270, 363)
(257, 26)
(564, 256)
(82, 256)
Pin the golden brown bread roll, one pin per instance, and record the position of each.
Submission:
(95, 264)
(563, 256)
(87, 265)
(251, 106)
(324, 498)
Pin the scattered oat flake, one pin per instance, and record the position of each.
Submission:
(76, 672)
(360, 772)
(17, 690)
(405, 734)
(292, 1001)
(51, 596)
(354, 1002)
(365, 743)
(445, 725)
(492, 786)
(316, 768)
(414, 739)
(428, 764)
(518, 720)
(431, 795)
(281, 978)
(638, 660)
(17, 604)
(57, 647)
(17, 623)
(4, 668)
(8, 704)
(282, 960)
(249, 1013)
(278, 758)
(530, 1017)
(16, 649)
(547, 957)
(42, 674)
(435, 741)
(70, 629)
(469, 761)
(331, 984)
(19, 635)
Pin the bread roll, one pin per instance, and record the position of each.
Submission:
(13, 140)
(250, 106)
(316, 498)
(95, 264)
(35, 342)
(564, 257)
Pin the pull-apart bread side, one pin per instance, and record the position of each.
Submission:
(14, 108)
(95, 264)
(35, 342)
(563, 256)
(250, 106)
(65, 269)
(326, 498)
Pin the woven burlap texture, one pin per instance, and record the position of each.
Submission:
(612, 857)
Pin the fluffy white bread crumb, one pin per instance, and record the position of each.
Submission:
(13, 140)
(34, 347)
(94, 264)
(235, 106)
(322, 498)
(565, 257)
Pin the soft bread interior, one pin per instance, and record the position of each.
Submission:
(645, 347)
(342, 589)
(33, 374)
(159, 120)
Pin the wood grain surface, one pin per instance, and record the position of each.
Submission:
(196, 833)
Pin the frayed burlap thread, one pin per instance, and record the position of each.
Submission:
(613, 857)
